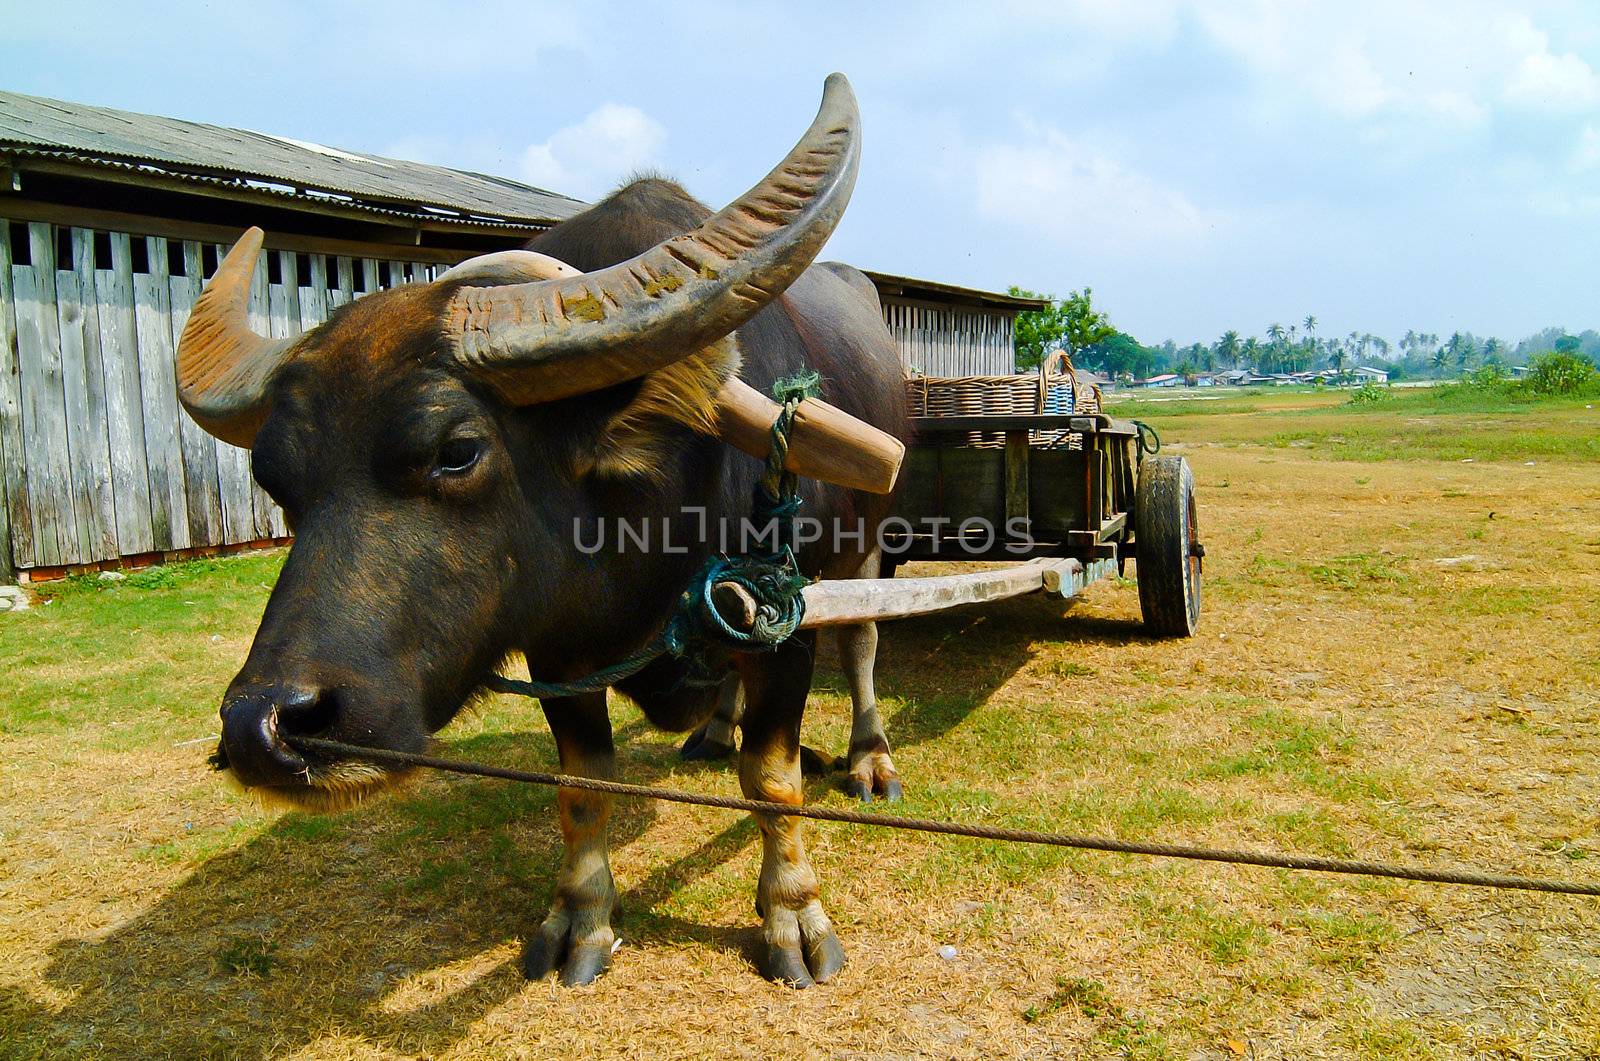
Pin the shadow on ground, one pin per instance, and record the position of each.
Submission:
(320, 922)
(944, 667)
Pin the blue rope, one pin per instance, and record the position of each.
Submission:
(696, 631)
(1147, 432)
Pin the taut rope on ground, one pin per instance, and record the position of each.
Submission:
(981, 832)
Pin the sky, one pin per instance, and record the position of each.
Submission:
(1201, 164)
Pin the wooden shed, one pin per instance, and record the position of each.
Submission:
(109, 223)
(945, 330)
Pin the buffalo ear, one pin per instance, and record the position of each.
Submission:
(640, 439)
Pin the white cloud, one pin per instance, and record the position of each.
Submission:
(1553, 82)
(1587, 155)
(1350, 84)
(1052, 183)
(1382, 60)
(588, 158)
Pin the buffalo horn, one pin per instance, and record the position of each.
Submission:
(551, 339)
(223, 367)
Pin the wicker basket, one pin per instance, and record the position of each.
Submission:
(1056, 388)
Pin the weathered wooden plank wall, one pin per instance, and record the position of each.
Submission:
(937, 340)
(44, 402)
(14, 515)
(119, 347)
(97, 458)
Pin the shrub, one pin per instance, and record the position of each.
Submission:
(1369, 394)
(1561, 373)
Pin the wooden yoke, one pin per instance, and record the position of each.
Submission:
(851, 601)
(825, 442)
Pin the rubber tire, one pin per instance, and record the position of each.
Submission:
(1165, 531)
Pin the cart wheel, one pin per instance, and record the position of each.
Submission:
(1168, 547)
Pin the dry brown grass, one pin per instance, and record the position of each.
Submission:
(1384, 670)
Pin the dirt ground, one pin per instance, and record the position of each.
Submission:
(1398, 660)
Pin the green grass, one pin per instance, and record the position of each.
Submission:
(1223, 937)
(1079, 993)
(247, 956)
(140, 650)
(1358, 571)
(1442, 424)
(1348, 942)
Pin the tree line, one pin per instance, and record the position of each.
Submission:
(1075, 325)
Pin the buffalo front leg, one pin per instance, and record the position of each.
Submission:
(872, 772)
(799, 946)
(576, 936)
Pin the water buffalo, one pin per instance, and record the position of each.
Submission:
(435, 447)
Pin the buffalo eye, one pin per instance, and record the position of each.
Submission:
(457, 456)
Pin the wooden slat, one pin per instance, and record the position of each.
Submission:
(283, 322)
(347, 279)
(369, 274)
(83, 379)
(16, 519)
(314, 299)
(235, 489)
(152, 315)
(44, 418)
(1016, 476)
(119, 353)
(201, 492)
(255, 517)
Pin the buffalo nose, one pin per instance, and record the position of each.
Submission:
(255, 723)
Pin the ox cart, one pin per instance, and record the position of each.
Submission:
(1026, 469)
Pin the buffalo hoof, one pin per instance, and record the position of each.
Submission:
(873, 775)
(800, 949)
(579, 956)
(698, 746)
(890, 792)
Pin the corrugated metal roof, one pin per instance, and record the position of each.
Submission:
(912, 287)
(196, 149)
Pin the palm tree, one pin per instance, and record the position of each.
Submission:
(1251, 352)
(1311, 324)
(1494, 353)
(1336, 359)
(1275, 349)
(1228, 347)
(1440, 357)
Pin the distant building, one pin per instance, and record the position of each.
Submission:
(1166, 380)
(949, 331)
(1363, 374)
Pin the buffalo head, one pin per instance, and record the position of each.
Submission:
(431, 446)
